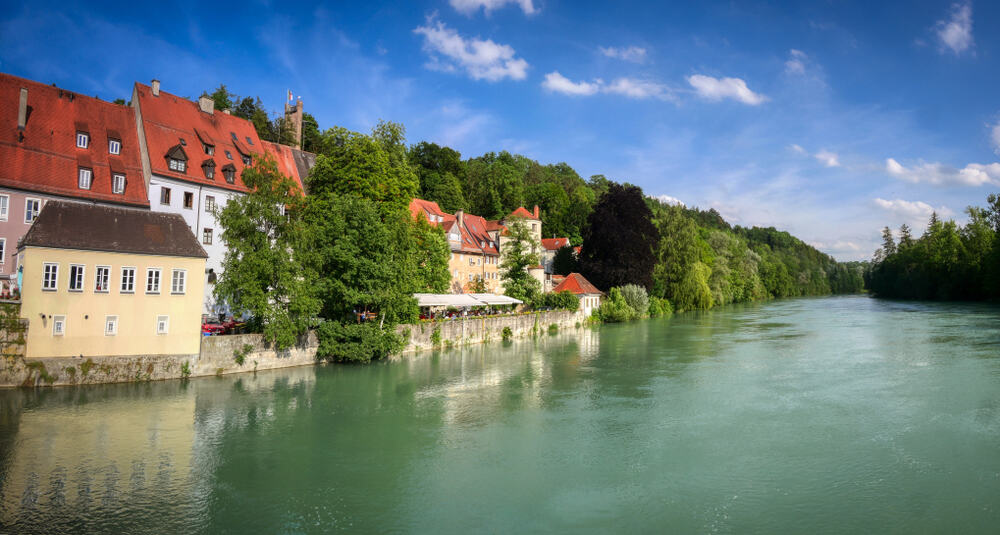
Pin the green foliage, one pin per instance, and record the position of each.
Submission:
(619, 240)
(87, 366)
(564, 300)
(518, 255)
(436, 337)
(506, 334)
(615, 309)
(564, 262)
(553, 329)
(636, 298)
(264, 272)
(947, 262)
(185, 370)
(12, 330)
(240, 355)
(440, 171)
(355, 342)
(660, 308)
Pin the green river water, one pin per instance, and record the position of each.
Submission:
(826, 415)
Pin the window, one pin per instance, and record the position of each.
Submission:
(209, 169)
(153, 280)
(117, 183)
(128, 280)
(247, 160)
(178, 165)
(188, 200)
(233, 134)
(164, 195)
(206, 236)
(229, 155)
(110, 325)
(3, 250)
(209, 203)
(178, 281)
(50, 277)
(533, 227)
(58, 325)
(31, 209)
(472, 260)
(4, 206)
(209, 149)
(86, 177)
(162, 324)
(230, 175)
(183, 141)
(249, 141)
(76, 277)
(82, 140)
(114, 146)
(102, 279)
(470, 276)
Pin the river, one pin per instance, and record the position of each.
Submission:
(824, 415)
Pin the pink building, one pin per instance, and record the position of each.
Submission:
(57, 144)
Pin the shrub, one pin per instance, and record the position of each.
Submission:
(355, 342)
(507, 334)
(660, 308)
(240, 355)
(636, 298)
(553, 329)
(614, 308)
(436, 337)
(185, 370)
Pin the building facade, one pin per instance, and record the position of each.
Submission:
(102, 281)
(587, 293)
(60, 145)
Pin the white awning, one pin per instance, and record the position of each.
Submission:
(447, 300)
(493, 299)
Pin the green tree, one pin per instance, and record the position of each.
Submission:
(636, 298)
(517, 256)
(619, 241)
(262, 272)
(564, 262)
(223, 98)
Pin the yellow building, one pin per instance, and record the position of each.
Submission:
(102, 281)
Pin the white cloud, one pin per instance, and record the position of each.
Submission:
(938, 174)
(667, 199)
(634, 54)
(719, 88)
(558, 83)
(628, 87)
(470, 7)
(912, 211)
(482, 60)
(955, 34)
(827, 158)
(796, 62)
(995, 137)
(797, 148)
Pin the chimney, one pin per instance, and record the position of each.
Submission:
(536, 212)
(460, 216)
(227, 111)
(22, 109)
(155, 85)
(206, 104)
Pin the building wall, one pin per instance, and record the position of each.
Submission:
(589, 303)
(85, 311)
(198, 219)
(485, 266)
(475, 330)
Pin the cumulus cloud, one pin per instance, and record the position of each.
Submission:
(955, 33)
(938, 174)
(827, 158)
(628, 87)
(796, 63)
(481, 60)
(914, 211)
(558, 83)
(469, 7)
(634, 54)
(719, 88)
(667, 199)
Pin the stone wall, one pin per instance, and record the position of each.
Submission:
(472, 330)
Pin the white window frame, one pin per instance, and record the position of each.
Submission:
(184, 201)
(159, 280)
(209, 203)
(121, 287)
(55, 276)
(114, 146)
(207, 236)
(3, 251)
(107, 279)
(59, 319)
(174, 279)
(4, 206)
(112, 322)
(85, 175)
(33, 213)
(165, 320)
(82, 139)
(81, 276)
(177, 165)
(117, 183)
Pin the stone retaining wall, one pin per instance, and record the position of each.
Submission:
(473, 330)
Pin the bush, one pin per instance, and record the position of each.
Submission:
(614, 308)
(355, 342)
(636, 298)
(660, 308)
(563, 300)
(507, 334)
(553, 328)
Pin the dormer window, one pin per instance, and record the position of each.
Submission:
(114, 146)
(183, 142)
(85, 178)
(234, 136)
(209, 168)
(247, 160)
(82, 140)
(177, 159)
(229, 155)
(178, 165)
(118, 183)
(249, 141)
(209, 149)
(229, 172)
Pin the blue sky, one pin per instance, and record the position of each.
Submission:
(829, 119)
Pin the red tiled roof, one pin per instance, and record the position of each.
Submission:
(285, 157)
(167, 119)
(523, 212)
(427, 208)
(574, 282)
(554, 244)
(47, 159)
(476, 231)
(576, 250)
